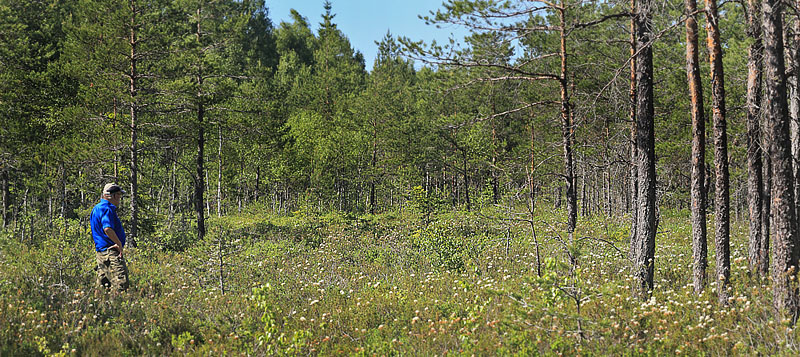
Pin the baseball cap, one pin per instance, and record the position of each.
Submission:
(112, 188)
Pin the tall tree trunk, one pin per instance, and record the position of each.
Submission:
(567, 130)
(134, 112)
(466, 180)
(81, 191)
(6, 198)
(722, 194)
(794, 109)
(63, 187)
(208, 189)
(634, 172)
(495, 188)
(49, 199)
(374, 163)
(643, 254)
(219, 171)
(699, 241)
(794, 127)
(755, 184)
(114, 129)
(25, 205)
(173, 190)
(199, 185)
(159, 198)
(795, 139)
(531, 182)
(787, 249)
(258, 182)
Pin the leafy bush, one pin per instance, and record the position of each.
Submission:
(267, 334)
(446, 247)
(424, 203)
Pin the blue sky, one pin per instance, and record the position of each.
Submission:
(366, 21)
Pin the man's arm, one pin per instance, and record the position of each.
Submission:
(113, 235)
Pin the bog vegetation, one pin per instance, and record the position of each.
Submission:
(464, 283)
(541, 186)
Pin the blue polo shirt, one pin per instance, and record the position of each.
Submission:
(104, 215)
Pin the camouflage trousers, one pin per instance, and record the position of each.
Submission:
(112, 271)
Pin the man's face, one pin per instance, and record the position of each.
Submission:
(115, 198)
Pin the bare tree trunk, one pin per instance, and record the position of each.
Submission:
(219, 171)
(795, 139)
(159, 198)
(794, 126)
(6, 198)
(794, 109)
(208, 189)
(221, 262)
(114, 128)
(495, 188)
(787, 249)
(722, 195)
(134, 112)
(173, 191)
(584, 197)
(25, 205)
(374, 163)
(63, 187)
(643, 252)
(531, 181)
(755, 184)
(199, 184)
(766, 221)
(634, 172)
(567, 130)
(466, 179)
(699, 240)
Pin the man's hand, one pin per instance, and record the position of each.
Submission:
(113, 235)
(118, 248)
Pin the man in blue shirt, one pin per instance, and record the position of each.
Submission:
(109, 239)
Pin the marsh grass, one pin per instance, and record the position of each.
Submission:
(458, 283)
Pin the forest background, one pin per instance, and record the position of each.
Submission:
(274, 183)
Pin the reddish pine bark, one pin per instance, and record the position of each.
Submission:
(722, 197)
(699, 241)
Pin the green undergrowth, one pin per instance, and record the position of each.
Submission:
(435, 282)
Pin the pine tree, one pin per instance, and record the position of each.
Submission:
(643, 252)
(116, 45)
(786, 249)
(722, 195)
(203, 73)
(699, 244)
(757, 257)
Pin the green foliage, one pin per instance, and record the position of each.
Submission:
(292, 140)
(447, 246)
(424, 203)
(269, 338)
